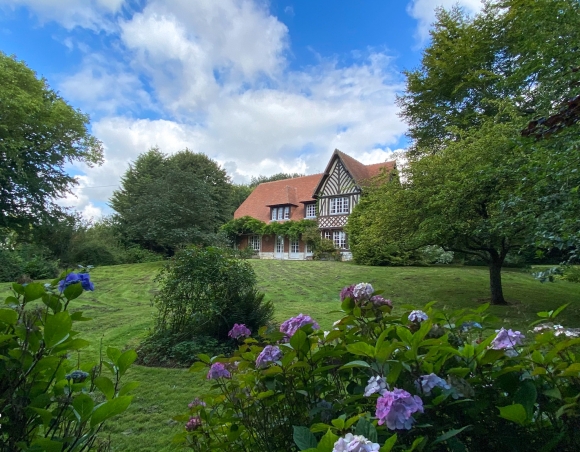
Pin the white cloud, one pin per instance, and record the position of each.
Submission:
(71, 13)
(424, 12)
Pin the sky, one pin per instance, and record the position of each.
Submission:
(259, 86)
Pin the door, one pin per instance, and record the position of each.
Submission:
(294, 249)
(279, 249)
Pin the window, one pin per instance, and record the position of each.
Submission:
(339, 239)
(286, 212)
(274, 214)
(280, 213)
(327, 235)
(339, 205)
(294, 246)
(279, 244)
(310, 210)
(255, 242)
(309, 249)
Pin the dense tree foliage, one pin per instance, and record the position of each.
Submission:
(168, 201)
(255, 181)
(472, 183)
(39, 133)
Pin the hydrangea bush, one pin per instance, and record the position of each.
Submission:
(426, 380)
(49, 401)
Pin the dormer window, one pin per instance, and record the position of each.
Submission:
(280, 213)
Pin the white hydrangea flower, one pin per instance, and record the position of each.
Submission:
(418, 316)
(354, 443)
(363, 290)
(376, 384)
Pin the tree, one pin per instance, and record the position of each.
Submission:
(169, 201)
(39, 133)
(255, 181)
(458, 198)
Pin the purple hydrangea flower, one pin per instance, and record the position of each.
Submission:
(466, 326)
(196, 402)
(354, 443)
(363, 291)
(347, 292)
(395, 408)
(193, 423)
(507, 339)
(270, 354)
(218, 370)
(73, 278)
(376, 384)
(377, 300)
(239, 330)
(428, 382)
(290, 326)
(418, 316)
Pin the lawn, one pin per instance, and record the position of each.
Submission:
(122, 314)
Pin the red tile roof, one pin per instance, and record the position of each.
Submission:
(281, 192)
(296, 191)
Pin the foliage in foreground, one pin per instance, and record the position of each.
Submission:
(49, 402)
(203, 292)
(427, 380)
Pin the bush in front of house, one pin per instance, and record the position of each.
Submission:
(203, 292)
(426, 380)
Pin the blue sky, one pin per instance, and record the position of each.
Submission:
(261, 87)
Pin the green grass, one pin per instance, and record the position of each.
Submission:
(123, 314)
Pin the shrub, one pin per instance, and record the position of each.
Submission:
(425, 380)
(203, 292)
(48, 402)
(571, 274)
(94, 253)
(436, 255)
(11, 265)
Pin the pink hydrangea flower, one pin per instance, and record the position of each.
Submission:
(269, 354)
(377, 300)
(347, 292)
(290, 326)
(218, 370)
(396, 408)
(363, 291)
(193, 423)
(507, 339)
(196, 402)
(239, 330)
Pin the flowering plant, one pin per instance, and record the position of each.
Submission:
(418, 380)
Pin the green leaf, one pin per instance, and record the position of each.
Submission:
(352, 364)
(114, 353)
(73, 291)
(83, 405)
(326, 443)
(106, 386)
(450, 434)
(125, 360)
(299, 341)
(338, 423)
(560, 309)
(361, 348)
(78, 317)
(8, 316)
(204, 358)
(197, 366)
(33, 291)
(526, 396)
(515, 413)
(366, 429)
(18, 288)
(109, 409)
(405, 335)
(57, 328)
(128, 387)
(46, 445)
(303, 438)
(389, 444)
(45, 415)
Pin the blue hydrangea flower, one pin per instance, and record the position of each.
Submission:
(73, 278)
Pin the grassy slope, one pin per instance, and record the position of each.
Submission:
(122, 312)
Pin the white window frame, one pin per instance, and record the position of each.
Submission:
(310, 210)
(327, 234)
(287, 212)
(294, 246)
(309, 249)
(255, 242)
(339, 239)
(273, 216)
(339, 205)
(280, 213)
(279, 245)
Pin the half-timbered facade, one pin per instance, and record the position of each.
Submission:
(328, 198)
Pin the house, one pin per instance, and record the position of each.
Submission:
(328, 198)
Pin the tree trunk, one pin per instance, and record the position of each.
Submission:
(495, 264)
